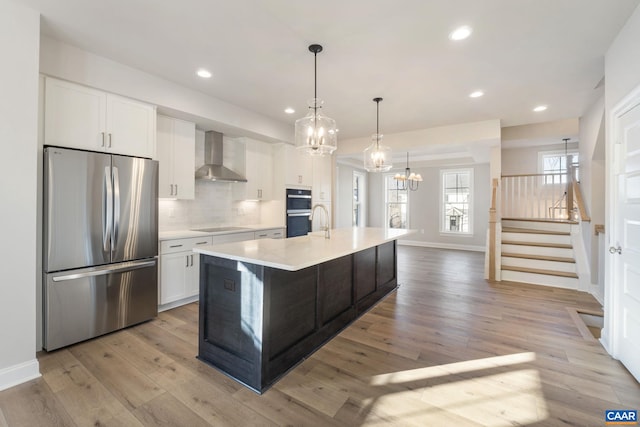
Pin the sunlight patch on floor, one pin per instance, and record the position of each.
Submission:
(488, 392)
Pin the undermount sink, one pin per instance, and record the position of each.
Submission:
(218, 229)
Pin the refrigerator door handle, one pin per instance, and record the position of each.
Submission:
(107, 213)
(105, 270)
(116, 208)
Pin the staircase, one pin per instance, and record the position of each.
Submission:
(538, 252)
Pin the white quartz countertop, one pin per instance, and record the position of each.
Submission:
(297, 253)
(182, 234)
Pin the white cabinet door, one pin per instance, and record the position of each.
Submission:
(321, 190)
(74, 116)
(81, 117)
(184, 158)
(130, 126)
(259, 171)
(176, 142)
(297, 166)
(173, 276)
(192, 280)
(164, 154)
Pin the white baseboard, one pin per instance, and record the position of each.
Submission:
(178, 303)
(442, 245)
(18, 374)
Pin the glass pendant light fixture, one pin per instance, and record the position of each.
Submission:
(408, 180)
(377, 157)
(316, 133)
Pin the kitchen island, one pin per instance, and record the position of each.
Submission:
(265, 305)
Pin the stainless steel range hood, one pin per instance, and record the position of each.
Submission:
(213, 170)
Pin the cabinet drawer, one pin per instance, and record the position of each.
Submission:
(181, 245)
(274, 233)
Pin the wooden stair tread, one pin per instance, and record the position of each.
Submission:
(542, 244)
(538, 257)
(540, 271)
(533, 231)
(560, 221)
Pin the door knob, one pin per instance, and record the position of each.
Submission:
(617, 250)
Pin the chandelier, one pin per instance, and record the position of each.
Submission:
(316, 133)
(377, 157)
(408, 180)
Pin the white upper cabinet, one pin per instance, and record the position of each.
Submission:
(81, 117)
(176, 148)
(293, 166)
(321, 190)
(258, 171)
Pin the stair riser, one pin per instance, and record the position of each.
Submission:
(539, 264)
(550, 226)
(536, 238)
(539, 279)
(538, 250)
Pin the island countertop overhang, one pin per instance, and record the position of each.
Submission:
(301, 252)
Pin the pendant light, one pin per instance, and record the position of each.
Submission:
(408, 180)
(316, 133)
(377, 157)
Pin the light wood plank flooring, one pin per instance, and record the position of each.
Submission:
(446, 349)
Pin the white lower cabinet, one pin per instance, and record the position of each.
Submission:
(180, 269)
(273, 233)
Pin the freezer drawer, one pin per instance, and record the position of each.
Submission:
(82, 304)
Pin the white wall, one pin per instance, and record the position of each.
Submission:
(524, 160)
(18, 222)
(424, 208)
(592, 143)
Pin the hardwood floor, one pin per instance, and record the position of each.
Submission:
(447, 348)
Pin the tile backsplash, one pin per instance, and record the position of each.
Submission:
(212, 206)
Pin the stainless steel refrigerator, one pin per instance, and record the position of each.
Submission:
(100, 244)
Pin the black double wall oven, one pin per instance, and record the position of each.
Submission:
(298, 212)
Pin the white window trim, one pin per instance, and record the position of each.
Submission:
(386, 202)
(362, 195)
(444, 232)
(543, 154)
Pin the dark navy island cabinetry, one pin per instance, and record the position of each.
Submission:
(258, 321)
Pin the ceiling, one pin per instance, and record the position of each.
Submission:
(521, 54)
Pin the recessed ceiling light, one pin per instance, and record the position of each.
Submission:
(460, 33)
(289, 110)
(540, 108)
(205, 74)
(476, 94)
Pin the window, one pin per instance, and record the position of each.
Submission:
(358, 199)
(554, 164)
(396, 204)
(457, 192)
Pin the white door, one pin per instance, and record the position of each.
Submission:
(625, 240)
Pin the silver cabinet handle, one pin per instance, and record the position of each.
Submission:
(191, 260)
(175, 246)
(202, 243)
(613, 250)
(187, 256)
(102, 138)
(109, 140)
(171, 190)
(176, 189)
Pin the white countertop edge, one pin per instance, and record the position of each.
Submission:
(183, 234)
(231, 250)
